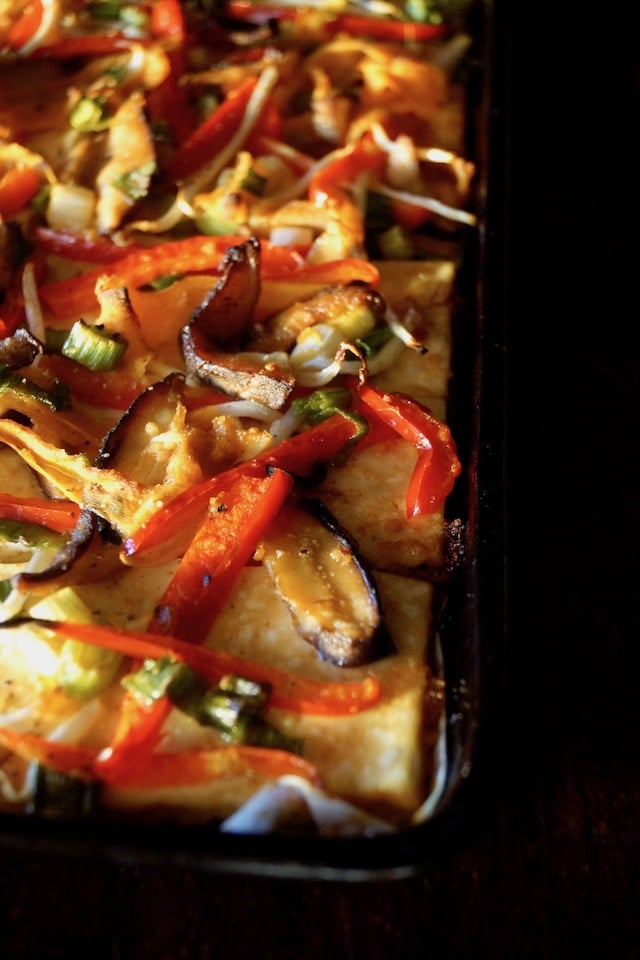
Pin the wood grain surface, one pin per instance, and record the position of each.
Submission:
(549, 866)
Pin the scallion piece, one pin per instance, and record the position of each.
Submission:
(135, 183)
(93, 347)
(85, 670)
(322, 404)
(55, 398)
(166, 677)
(88, 115)
(61, 794)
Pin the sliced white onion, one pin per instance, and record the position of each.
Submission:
(70, 207)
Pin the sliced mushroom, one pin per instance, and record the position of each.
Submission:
(67, 563)
(19, 350)
(317, 572)
(346, 304)
(151, 414)
(213, 342)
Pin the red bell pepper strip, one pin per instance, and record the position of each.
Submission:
(17, 186)
(222, 546)
(185, 768)
(107, 389)
(332, 271)
(288, 691)
(167, 20)
(169, 105)
(24, 28)
(189, 768)
(58, 515)
(76, 295)
(83, 247)
(379, 28)
(63, 757)
(214, 133)
(327, 184)
(136, 736)
(173, 524)
(200, 588)
(12, 312)
(89, 45)
(438, 464)
(409, 215)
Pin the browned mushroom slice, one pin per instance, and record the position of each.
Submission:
(318, 574)
(213, 341)
(344, 302)
(151, 413)
(67, 564)
(19, 350)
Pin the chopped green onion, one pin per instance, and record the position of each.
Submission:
(423, 11)
(28, 534)
(166, 677)
(85, 670)
(62, 794)
(135, 183)
(105, 9)
(55, 398)
(322, 404)
(379, 212)
(231, 707)
(88, 115)
(161, 283)
(396, 244)
(370, 344)
(254, 183)
(63, 604)
(93, 347)
(54, 339)
(128, 14)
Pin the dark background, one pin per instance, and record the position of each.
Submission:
(550, 865)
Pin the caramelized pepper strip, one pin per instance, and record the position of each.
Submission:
(63, 757)
(136, 736)
(187, 768)
(76, 295)
(58, 515)
(199, 766)
(88, 45)
(327, 185)
(213, 133)
(174, 523)
(223, 544)
(17, 187)
(379, 28)
(438, 465)
(288, 691)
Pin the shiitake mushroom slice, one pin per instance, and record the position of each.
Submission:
(332, 598)
(213, 341)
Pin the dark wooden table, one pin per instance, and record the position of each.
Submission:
(549, 867)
